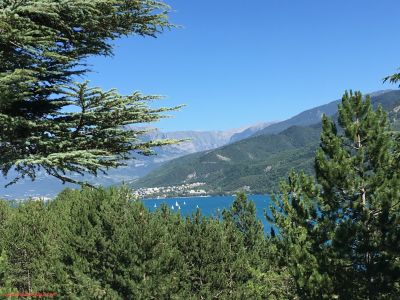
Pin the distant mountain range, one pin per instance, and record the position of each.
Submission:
(46, 186)
(257, 164)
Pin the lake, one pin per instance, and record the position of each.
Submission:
(209, 206)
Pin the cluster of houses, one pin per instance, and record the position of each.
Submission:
(189, 189)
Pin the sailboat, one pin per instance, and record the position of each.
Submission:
(176, 203)
(155, 205)
(184, 202)
(172, 207)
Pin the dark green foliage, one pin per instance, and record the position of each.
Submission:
(294, 213)
(101, 244)
(113, 248)
(5, 267)
(361, 184)
(394, 78)
(214, 260)
(264, 279)
(31, 251)
(43, 46)
(243, 216)
(340, 232)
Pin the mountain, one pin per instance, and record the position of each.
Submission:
(250, 131)
(252, 164)
(256, 164)
(47, 186)
(314, 115)
(304, 118)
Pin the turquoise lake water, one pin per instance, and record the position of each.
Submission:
(209, 206)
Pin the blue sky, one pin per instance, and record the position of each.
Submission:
(235, 63)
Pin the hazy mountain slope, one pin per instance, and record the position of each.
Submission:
(257, 163)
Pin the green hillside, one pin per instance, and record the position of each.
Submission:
(255, 164)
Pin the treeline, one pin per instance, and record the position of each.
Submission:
(97, 244)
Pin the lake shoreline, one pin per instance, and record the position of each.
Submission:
(179, 197)
(205, 196)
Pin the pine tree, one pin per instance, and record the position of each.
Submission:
(243, 215)
(294, 213)
(5, 267)
(115, 248)
(31, 250)
(340, 232)
(44, 45)
(263, 278)
(357, 170)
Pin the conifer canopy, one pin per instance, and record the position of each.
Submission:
(43, 47)
(340, 230)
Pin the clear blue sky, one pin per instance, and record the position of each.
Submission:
(239, 62)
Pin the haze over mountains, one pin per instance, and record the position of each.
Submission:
(252, 158)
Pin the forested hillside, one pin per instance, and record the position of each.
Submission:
(257, 163)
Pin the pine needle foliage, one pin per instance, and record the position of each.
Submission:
(50, 122)
(340, 230)
(394, 78)
(101, 244)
